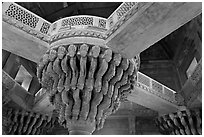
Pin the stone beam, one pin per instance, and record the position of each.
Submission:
(42, 103)
(20, 43)
(146, 23)
(154, 95)
(24, 33)
(15, 92)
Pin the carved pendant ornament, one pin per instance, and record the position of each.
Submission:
(188, 122)
(86, 83)
(22, 122)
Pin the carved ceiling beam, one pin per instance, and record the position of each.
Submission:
(146, 23)
(15, 92)
(20, 43)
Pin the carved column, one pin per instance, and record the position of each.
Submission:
(188, 122)
(86, 80)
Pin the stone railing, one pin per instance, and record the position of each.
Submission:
(46, 31)
(78, 22)
(75, 26)
(25, 20)
(156, 88)
(122, 14)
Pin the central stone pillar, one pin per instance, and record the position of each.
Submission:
(86, 80)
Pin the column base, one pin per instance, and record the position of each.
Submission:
(79, 132)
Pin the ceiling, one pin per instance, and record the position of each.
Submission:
(52, 11)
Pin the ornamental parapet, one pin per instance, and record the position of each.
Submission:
(122, 14)
(154, 87)
(25, 20)
(92, 26)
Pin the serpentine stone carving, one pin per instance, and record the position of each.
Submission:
(86, 83)
(22, 122)
(188, 122)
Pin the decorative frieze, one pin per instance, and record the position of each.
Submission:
(78, 33)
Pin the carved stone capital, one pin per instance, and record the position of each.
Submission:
(86, 83)
(186, 122)
(22, 122)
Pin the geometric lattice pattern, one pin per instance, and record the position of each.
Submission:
(77, 21)
(22, 16)
(144, 80)
(45, 27)
(102, 23)
(168, 92)
(125, 8)
(156, 86)
(110, 20)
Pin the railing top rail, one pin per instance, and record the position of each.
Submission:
(139, 73)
